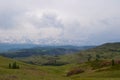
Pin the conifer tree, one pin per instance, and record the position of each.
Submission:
(10, 66)
(113, 62)
(14, 66)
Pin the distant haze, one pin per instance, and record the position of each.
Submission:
(66, 22)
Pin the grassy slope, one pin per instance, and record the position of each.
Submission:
(106, 51)
(31, 72)
(26, 72)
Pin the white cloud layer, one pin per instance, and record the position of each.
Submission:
(77, 22)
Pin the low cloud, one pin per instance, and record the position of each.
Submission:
(57, 22)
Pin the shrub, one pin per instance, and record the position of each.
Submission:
(75, 71)
(13, 66)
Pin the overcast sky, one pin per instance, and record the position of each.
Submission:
(63, 22)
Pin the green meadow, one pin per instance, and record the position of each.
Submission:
(34, 72)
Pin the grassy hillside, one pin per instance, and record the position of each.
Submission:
(32, 72)
(100, 63)
(105, 51)
(29, 72)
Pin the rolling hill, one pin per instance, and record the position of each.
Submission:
(76, 67)
(33, 72)
(61, 54)
(105, 51)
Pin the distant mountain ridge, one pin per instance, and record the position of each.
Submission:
(104, 51)
(4, 47)
(45, 50)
